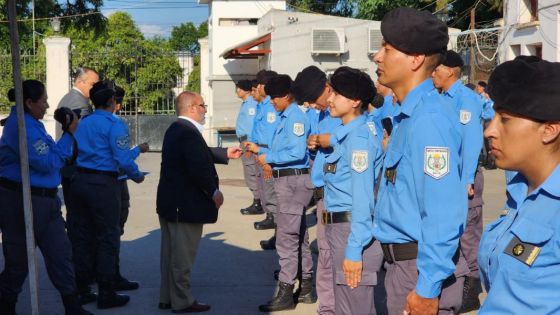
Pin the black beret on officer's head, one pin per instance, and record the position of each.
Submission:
(245, 85)
(101, 93)
(414, 32)
(119, 94)
(353, 84)
(264, 76)
(278, 86)
(309, 84)
(527, 86)
(452, 60)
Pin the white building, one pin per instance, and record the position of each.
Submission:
(531, 27)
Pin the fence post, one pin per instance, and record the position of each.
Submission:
(58, 76)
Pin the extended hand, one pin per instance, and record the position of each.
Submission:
(218, 198)
(144, 147)
(267, 171)
(324, 140)
(234, 152)
(312, 142)
(138, 180)
(261, 159)
(250, 146)
(470, 190)
(417, 305)
(352, 272)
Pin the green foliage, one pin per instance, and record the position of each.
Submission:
(194, 76)
(185, 37)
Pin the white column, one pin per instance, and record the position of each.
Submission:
(58, 78)
(206, 89)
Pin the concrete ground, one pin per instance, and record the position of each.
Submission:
(231, 272)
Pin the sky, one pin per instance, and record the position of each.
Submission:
(157, 17)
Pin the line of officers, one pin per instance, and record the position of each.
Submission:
(395, 177)
(95, 160)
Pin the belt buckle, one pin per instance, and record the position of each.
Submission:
(298, 171)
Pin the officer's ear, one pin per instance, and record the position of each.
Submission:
(417, 61)
(551, 133)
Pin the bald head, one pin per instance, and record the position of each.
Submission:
(190, 104)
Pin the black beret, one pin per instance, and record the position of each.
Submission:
(353, 84)
(414, 32)
(309, 84)
(526, 86)
(101, 93)
(254, 83)
(245, 85)
(264, 76)
(278, 86)
(64, 116)
(452, 60)
(378, 101)
(119, 94)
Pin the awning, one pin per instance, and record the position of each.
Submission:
(244, 50)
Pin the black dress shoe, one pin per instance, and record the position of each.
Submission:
(87, 297)
(164, 306)
(255, 208)
(269, 244)
(194, 308)
(266, 224)
(123, 284)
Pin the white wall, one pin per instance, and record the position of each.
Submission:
(521, 35)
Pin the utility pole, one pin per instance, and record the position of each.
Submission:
(473, 54)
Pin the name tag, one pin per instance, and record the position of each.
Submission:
(391, 174)
(329, 168)
(524, 252)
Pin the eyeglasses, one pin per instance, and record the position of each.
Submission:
(203, 105)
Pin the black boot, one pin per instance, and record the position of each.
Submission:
(283, 300)
(471, 290)
(305, 294)
(85, 293)
(108, 297)
(269, 244)
(8, 305)
(72, 305)
(123, 284)
(255, 208)
(266, 224)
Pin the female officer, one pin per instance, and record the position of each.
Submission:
(519, 254)
(349, 177)
(46, 157)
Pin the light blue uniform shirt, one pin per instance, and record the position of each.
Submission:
(388, 110)
(488, 108)
(289, 144)
(469, 108)
(103, 144)
(350, 187)
(326, 124)
(46, 157)
(246, 117)
(425, 200)
(519, 254)
(265, 123)
(375, 118)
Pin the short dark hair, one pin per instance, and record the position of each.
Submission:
(32, 90)
(482, 83)
(80, 72)
(119, 94)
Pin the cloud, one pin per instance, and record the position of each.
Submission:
(150, 30)
(108, 13)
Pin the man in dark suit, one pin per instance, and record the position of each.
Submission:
(188, 196)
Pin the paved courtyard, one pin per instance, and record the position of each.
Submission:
(231, 273)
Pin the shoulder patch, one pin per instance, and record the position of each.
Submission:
(465, 117)
(122, 142)
(436, 161)
(359, 161)
(299, 129)
(371, 127)
(41, 147)
(271, 117)
(252, 111)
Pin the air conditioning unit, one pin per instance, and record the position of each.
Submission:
(374, 40)
(328, 41)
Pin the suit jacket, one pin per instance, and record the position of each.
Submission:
(188, 177)
(76, 100)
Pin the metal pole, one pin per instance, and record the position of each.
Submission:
(473, 55)
(22, 134)
(33, 21)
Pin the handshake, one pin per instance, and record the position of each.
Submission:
(319, 141)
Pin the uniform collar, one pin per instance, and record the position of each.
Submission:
(454, 89)
(518, 187)
(289, 109)
(343, 131)
(413, 97)
(102, 112)
(265, 101)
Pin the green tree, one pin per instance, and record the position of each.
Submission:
(336, 7)
(185, 37)
(194, 76)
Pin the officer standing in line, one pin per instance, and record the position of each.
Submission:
(263, 130)
(46, 158)
(349, 200)
(121, 283)
(243, 128)
(469, 107)
(311, 86)
(421, 206)
(103, 150)
(519, 253)
(290, 162)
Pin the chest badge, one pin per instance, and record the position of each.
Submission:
(329, 168)
(465, 117)
(271, 117)
(524, 252)
(359, 161)
(518, 249)
(436, 161)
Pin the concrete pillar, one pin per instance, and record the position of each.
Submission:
(58, 78)
(206, 90)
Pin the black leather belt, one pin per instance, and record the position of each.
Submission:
(289, 172)
(35, 191)
(404, 251)
(318, 193)
(84, 170)
(263, 146)
(336, 217)
(242, 138)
